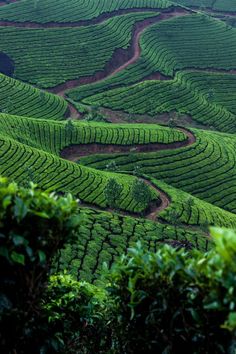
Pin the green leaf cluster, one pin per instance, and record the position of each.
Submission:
(77, 314)
(33, 226)
(167, 300)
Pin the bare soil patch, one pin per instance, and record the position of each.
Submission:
(74, 152)
(121, 58)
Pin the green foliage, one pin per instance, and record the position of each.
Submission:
(167, 300)
(104, 236)
(56, 174)
(94, 116)
(190, 92)
(23, 99)
(112, 192)
(111, 166)
(76, 313)
(69, 127)
(172, 123)
(73, 47)
(53, 136)
(33, 226)
(141, 192)
(51, 9)
(205, 169)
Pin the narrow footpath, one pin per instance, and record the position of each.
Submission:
(73, 153)
(122, 58)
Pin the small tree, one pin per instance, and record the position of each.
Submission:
(113, 192)
(111, 166)
(190, 202)
(42, 95)
(141, 192)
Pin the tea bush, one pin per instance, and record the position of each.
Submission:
(77, 315)
(33, 226)
(167, 300)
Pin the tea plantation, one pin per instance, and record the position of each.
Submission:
(75, 47)
(123, 114)
(61, 11)
(201, 95)
(24, 100)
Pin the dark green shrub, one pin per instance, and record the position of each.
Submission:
(112, 192)
(171, 302)
(141, 193)
(33, 226)
(76, 312)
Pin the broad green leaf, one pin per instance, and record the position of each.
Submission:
(18, 257)
(42, 256)
(20, 209)
(18, 240)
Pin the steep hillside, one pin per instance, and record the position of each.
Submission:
(85, 80)
(25, 100)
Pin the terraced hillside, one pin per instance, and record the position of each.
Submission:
(123, 62)
(216, 5)
(161, 76)
(73, 10)
(20, 98)
(103, 237)
(75, 46)
(204, 96)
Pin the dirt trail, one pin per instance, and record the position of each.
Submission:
(211, 11)
(221, 13)
(94, 21)
(156, 209)
(151, 213)
(121, 58)
(73, 153)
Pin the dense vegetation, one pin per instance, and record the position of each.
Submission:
(204, 96)
(61, 11)
(128, 106)
(53, 136)
(25, 100)
(205, 169)
(76, 47)
(143, 304)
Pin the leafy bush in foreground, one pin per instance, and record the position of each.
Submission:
(76, 313)
(167, 300)
(33, 226)
(153, 303)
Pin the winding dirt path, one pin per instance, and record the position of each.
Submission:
(74, 152)
(154, 210)
(212, 12)
(151, 213)
(121, 58)
(81, 23)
